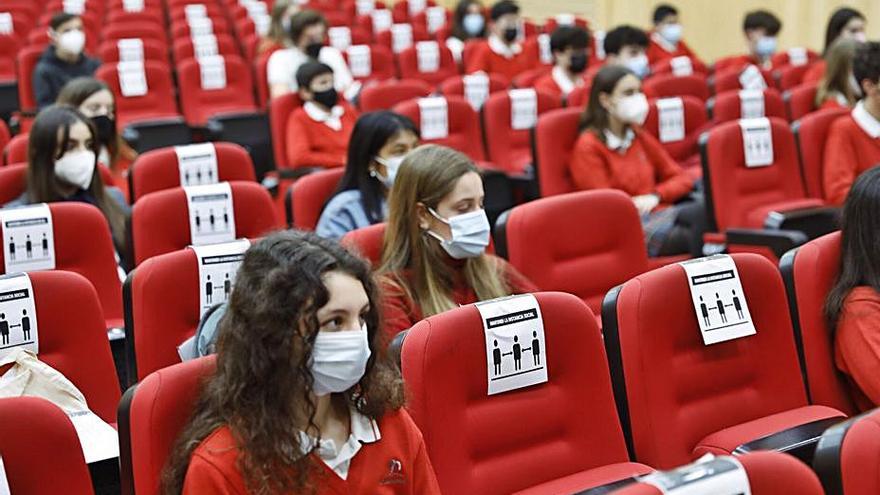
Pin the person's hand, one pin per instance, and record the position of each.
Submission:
(646, 203)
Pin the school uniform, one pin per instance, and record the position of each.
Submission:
(387, 456)
(557, 83)
(853, 146)
(740, 62)
(317, 137)
(659, 49)
(282, 66)
(494, 57)
(857, 346)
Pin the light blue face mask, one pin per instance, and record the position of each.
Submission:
(765, 46)
(638, 64)
(671, 33)
(473, 24)
(470, 234)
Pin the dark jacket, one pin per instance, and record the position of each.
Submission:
(52, 73)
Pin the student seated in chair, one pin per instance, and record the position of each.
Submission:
(853, 143)
(666, 37)
(760, 29)
(838, 88)
(468, 23)
(503, 53)
(379, 144)
(63, 60)
(625, 46)
(845, 23)
(434, 256)
(318, 132)
(853, 305)
(304, 398)
(613, 152)
(570, 47)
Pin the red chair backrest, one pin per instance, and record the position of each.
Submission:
(159, 96)
(409, 65)
(200, 104)
(694, 123)
(455, 85)
(800, 101)
(727, 106)
(157, 170)
(183, 48)
(160, 221)
(386, 38)
(4, 135)
(367, 242)
(555, 137)
(108, 52)
(811, 132)
(510, 148)
(790, 76)
(553, 22)
(9, 46)
(16, 149)
(846, 456)
(580, 96)
(262, 77)
(664, 66)
(444, 366)
(728, 80)
(182, 30)
(384, 95)
(464, 125)
(533, 44)
(149, 14)
(668, 85)
(280, 110)
(401, 10)
(309, 194)
(382, 65)
(33, 430)
(113, 32)
(783, 59)
(528, 78)
(27, 61)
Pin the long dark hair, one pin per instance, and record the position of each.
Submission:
(46, 144)
(371, 132)
(262, 358)
(595, 116)
(78, 90)
(859, 243)
(461, 10)
(839, 19)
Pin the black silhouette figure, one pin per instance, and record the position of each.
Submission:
(29, 247)
(186, 178)
(209, 291)
(720, 306)
(25, 325)
(227, 286)
(496, 358)
(536, 348)
(705, 311)
(226, 218)
(11, 249)
(45, 246)
(210, 175)
(198, 222)
(4, 329)
(212, 220)
(737, 305)
(199, 176)
(517, 354)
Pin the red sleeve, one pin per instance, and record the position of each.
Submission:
(300, 151)
(839, 170)
(479, 61)
(858, 343)
(588, 167)
(398, 310)
(203, 476)
(672, 182)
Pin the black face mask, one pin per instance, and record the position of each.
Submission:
(510, 34)
(577, 62)
(327, 98)
(314, 49)
(106, 128)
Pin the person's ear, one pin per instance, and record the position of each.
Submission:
(305, 94)
(868, 87)
(605, 101)
(424, 216)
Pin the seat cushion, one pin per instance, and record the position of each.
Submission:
(590, 478)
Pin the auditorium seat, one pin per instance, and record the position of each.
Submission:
(13, 180)
(382, 66)
(695, 123)
(262, 77)
(509, 148)
(846, 458)
(367, 242)
(668, 85)
(790, 76)
(184, 48)
(800, 101)
(784, 58)
(463, 125)
(665, 66)
(108, 52)
(528, 78)
(728, 80)
(115, 32)
(454, 86)
(16, 149)
(721, 396)
(554, 138)
(180, 29)
(403, 12)
(200, 103)
(564, 19)
(149, 13)
(386, 94)
(579, 97)
(280, 110)
(386, 38)
(496, 444)
(811, 133)
(727, 106)
(408, 61)
(158, 103)
(26, 61)
(305, 199)
(810, 272)
(421, 20)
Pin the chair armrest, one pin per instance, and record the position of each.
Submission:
(814, 222)
(778, 241)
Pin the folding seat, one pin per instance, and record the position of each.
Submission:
(367, 242)
(554, 136)
(153, 15)
(16, 149)
(121, 31)
(27, 59)
(112, 51)
(159, 169)
(810, 272)
(789, 76)
(184, 48)
(160, 221)
(729, 79)
(735, 105)
(540, 46)
(386, 94)
(433, 20)
(183, 30)
(767, 473)
(13, 179)
(462, 131)
(528, 78)
(32, 431)
(381, 66)
(400, 41)
(405, 10)
(508, 134)
(811, 133)
(205, 92)
(9, 46)
(455, 85)
(494, 444)
(579, 97)
(158, 102)
(680, 66)
(800, 101)
(179, 12)
(262, 78)
(846, 457)
(279, 112)
(152, 415)
(429, 61)
(794, 57)
(565, 19)
(342, 37)
(305, 199)
(668, 85)
(682, 147)
(721, 397)
(587, 266)
(24, 18)
(353, 9)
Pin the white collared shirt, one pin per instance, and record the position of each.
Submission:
(560, 77)
(331, 119)
(363, 430)
(617, 144)
(283, 64)
(506, 51)
(866, 121)
(660, 40)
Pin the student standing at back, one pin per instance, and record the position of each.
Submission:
(760, 29)
(570, 47)
(63, 59)
(666, 37)
(503, 53)
(845, 23)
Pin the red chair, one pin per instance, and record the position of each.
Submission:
(733, 392)
(386, 94)
(382, 66)
(728, 80)
(33, 430)
(554, 22)
(342, 37)
(810, 272)
(183, 48)
(784, 59)
(16, 149)
(153, 50)
(27, 60)
(769, 473)
(421, 20)
(279, 111)
(574, 445)
(579, 97)
(454, 86)
(695, 122)
(666, 66)
(182, 29)
(367, 242)
(152, 415)
(160, 221)
(727, 106)
(790, 76)
(149, 14)
(158, 103)
(4, 135)
(402, 12)
(510, 148)
(157, 170)
(386, 38)
(811, 133)
(846, 455)
(587, 266)
(463, 125)
(408, 60)
(113, 32)
(9, 47)
(13, 180)
(554, 137)
(800, 101)
(177, 13)
(262, 78)
(528, 78)
(668, 85)
(200, 103)
(540, 46)
(305, 199)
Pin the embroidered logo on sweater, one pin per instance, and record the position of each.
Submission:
(395, 473)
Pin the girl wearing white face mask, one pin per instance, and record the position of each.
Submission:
(838, 88)
(378, 145)
(63, 60)
(434, 254)
(304, 398)
(844, 24)
(613, 152)
(62, 166)
(468, 23)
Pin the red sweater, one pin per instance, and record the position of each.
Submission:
(849, 151)
(644, 168)
(315, 144)
(548, 85)
(657, 53)
(486, 60)
(857, 346)
(373, 469)
(400, 312)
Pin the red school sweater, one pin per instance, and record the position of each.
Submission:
(486, 60)
(849, 151)
(315, 144)
(657, 53)
(857, 346)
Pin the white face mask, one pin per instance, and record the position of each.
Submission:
(392, 165)
(76, 168)
(671, 33)
(339, 360)
(638, 64)
(632, 109)
(861, 37)
(72, 41)
(470, 234)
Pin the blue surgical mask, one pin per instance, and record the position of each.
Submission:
(638, 64)
(470, 234)
(473, 24)
(765, 46)
(671, 33)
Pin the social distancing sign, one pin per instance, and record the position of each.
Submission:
(751, 103)
(719, 301)
(99, 440)
(4, 482)
(757, 137)
(130, 50)
(711, 475)
(132, 78)
(28, 239)
(516, 351)
(428, 56)
(751, 78)
(211, 215)
(670, 119)
(218, 264)
(681, 66)
(18, 315)
(197, 164)
(434, 117)
(476, 89)
(523, 108)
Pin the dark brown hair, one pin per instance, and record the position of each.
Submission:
(303, 20)
(595, 116)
